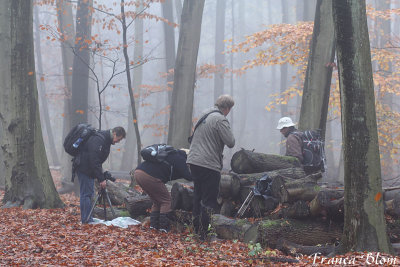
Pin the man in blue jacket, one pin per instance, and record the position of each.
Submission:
(94, 152)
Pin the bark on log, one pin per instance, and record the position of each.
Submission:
(182, 196)
(258, 206)
(138, 205)
(246, 161)
(298, 210)
(294, 249)
(389, 195)
(328, 203)
(119, 191)
(229, 186)
(227, 228)
(392, 207)
(227, 208)
(291, 190)
(302, 232)
(250, 179)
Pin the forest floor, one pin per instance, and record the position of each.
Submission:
(56, 237)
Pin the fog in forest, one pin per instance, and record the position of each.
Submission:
(224, 23)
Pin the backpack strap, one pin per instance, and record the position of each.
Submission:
(200, 121)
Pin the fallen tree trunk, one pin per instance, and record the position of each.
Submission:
(138, 205)
(302, 232)
(229, 186)
(227, 228)
(294, 249)
(298, 210)
(246, 161)
(328, 203)
(392, 207)
(182, 196)
(119, 191)
(291, 190)
(251, 179)
(259, 206)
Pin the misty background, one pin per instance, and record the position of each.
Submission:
(224, 23)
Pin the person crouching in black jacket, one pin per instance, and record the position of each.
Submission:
(94, 152)
(152, 176)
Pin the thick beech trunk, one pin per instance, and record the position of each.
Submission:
(364, 221)
(246, 161)
(28, 179)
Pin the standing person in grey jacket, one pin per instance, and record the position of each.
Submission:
(205, 161)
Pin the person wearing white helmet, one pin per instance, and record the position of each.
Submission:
(294, 142)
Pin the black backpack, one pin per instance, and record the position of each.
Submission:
(157, 153)
(75, 139)
(313, 150)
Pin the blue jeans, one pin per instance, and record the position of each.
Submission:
(86, 185)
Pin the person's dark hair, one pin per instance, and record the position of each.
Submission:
(119, 131)
(224, 101)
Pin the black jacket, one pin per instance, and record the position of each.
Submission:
(94, 152)
(162, 170)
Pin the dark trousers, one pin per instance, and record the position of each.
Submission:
(86, 187)
(206, 189)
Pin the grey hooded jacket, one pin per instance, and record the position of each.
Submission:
(209, 140)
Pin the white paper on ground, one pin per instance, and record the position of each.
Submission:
(122, 222)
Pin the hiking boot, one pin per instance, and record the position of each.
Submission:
(155, 220)
(164, 223)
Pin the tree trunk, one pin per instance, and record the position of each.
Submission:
(317, 83)
(219, 48)
(80, 70)
(180, 123)
(364, 221)
(294, 249)
(138, 205)
(67, 31)
(302, 232)
(169, 44)
(182, 196)
(28, 179)
(246, 161)
(178, 10)
(5, 70)
(250, 179)
(328, 203)
(128, 78)
(227, 228)
(42, 96)
(229, 186)
(130, 148)
(291, 190)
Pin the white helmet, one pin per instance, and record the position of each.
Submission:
(285, 122)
